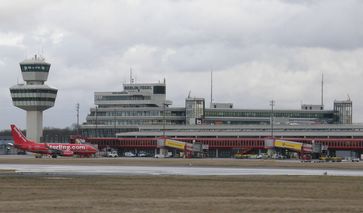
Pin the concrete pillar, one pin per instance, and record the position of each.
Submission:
(217, 153)
(163, 151)
(34, 125)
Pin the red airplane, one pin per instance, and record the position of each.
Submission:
(53, 149)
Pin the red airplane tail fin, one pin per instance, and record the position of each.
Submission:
(18, 136)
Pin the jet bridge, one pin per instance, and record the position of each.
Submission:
(190, 149)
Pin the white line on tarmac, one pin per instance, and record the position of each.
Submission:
(161, 170)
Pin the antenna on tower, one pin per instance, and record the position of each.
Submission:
(131, 78)
(322, 90)
(211, 88)
(42, 51)
(77, 109)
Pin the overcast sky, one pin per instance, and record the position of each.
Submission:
(258, 50)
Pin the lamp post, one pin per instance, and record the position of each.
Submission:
(114, 122)
(96, 133)
(272, 103)
(162, 150)
(164, 121)
(77, 108)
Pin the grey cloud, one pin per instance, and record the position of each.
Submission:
(258, 50)
(326, 24)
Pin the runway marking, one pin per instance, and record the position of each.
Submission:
(161, 170)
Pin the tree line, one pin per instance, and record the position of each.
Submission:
(50, 134)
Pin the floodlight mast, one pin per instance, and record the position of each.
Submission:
(272, 104)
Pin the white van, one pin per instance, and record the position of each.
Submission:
(164, 156)
(129, 154)
(112, 154)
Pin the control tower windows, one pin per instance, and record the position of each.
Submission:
(14, 91)
(34, 99)
(35, 68)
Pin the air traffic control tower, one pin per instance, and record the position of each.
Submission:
(34, 96)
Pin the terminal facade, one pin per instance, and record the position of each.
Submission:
(135, 119)
(142, 110)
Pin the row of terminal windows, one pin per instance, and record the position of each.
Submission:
(104, 132)
(34, 91)
(268, 114)
(326, 115)
(32, 95)
(134, 113)
(121, 98)
(35, 68)
(136, 122)
(137, 113)
(34, 99)
(215, 114)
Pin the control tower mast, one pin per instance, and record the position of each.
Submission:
(34, 96)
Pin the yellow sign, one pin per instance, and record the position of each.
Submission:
(175, 144)
(288, 145)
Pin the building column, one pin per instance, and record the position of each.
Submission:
(163, 151)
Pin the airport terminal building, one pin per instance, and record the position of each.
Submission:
(136, 118)
(142, 108)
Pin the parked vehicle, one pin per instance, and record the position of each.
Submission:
(129, 154)
(278, 156)
(355, 159)
(306, 158)
(262, 156)
(164, 156)
(159, 156)
(331, 159)
(142, 154)
(245, 156)
(112, 154)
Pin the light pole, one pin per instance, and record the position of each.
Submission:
(272, 103)
(164, 121)
(77, 108)
(96, 133)
(114, 123)
(162, 150)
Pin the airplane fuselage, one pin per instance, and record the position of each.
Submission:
(33, 147)
(45, 148)
(54, 149)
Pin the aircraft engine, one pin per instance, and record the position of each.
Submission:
(67, 153)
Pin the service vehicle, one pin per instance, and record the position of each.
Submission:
(129, 154)
(112, 154)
